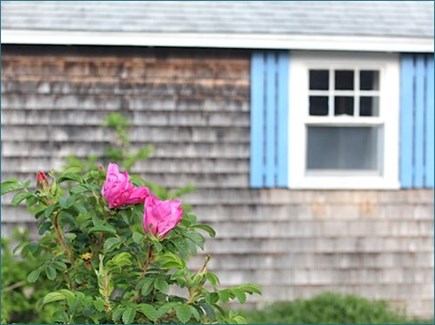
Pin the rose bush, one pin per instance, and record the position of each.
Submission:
(118, 253)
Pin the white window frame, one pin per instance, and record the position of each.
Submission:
(388, 65)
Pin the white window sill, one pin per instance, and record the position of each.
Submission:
(350, 183)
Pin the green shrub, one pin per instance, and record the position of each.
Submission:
(19, 298)
(329, 308)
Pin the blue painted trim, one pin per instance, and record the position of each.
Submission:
(283, 121)
(257, 119)
(271, 121)
(419, 112)
(429, 179)
(406, 120)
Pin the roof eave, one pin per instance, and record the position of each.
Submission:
(221, 40)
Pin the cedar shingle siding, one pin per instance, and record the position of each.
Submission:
(193, 106)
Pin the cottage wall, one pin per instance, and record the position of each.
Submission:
(193, 106)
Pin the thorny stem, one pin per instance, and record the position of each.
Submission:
(148, 262)
(192, 293)
(63, 244)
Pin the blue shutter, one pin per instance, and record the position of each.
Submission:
(269, 119)
(417, 121)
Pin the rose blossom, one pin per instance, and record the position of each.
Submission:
(160, 217)
(119, 191)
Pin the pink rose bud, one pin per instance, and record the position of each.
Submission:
(119, 191)
(41, 179)
(160, 217)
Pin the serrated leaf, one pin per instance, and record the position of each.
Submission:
(11, 185)
(116, 315)
(120, 260)
(138, 237)
(196, 238)
(50, 272)
(128, 315)
(111, 243)
(184, 313)
(67, 202)
(99, 304)
(19, 197)
(147, 286)
(149, 311)
(33, 276)
(165, 308)
(161, 285)
(103, 228)
(71, 298)
(206, 228)
(52, 297)
(195, 313)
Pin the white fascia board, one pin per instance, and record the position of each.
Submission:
(208, 40)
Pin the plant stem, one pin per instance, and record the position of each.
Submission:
(61, 238)
(147, 264)
(14, 286)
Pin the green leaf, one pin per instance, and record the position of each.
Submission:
(53, 296)
(212, 278)
(50, 272)
(225, 295)
(68, 176)
(103, 228)
(195, 313)
(116, 315)
(11, 185)
(120, 260)
(99, 304)
(19, 197)
(161, 285)
(33, 276)
(59, 265)
(71, 298)
(184, 313)
(206, 228)
(66, 203)
(149, 311)
(111, 243)
(240, 295)
(196, 238)
(138, 237)
(147, 286)
(165, 308)
(128, 315)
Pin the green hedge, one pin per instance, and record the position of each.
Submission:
(330, 308)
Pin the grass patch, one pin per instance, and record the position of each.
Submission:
(331, 308)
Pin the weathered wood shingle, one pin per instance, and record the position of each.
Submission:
(193, 106)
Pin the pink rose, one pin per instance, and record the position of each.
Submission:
(160, 217)
(119, 191)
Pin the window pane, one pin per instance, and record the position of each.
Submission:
(319, 79)
(369, 106)
(343, 105)
(343, 148)
(318, 105)
(344, 80)
(369, 80)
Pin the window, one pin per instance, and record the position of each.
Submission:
(343, 121)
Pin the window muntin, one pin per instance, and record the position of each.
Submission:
(370, 106)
